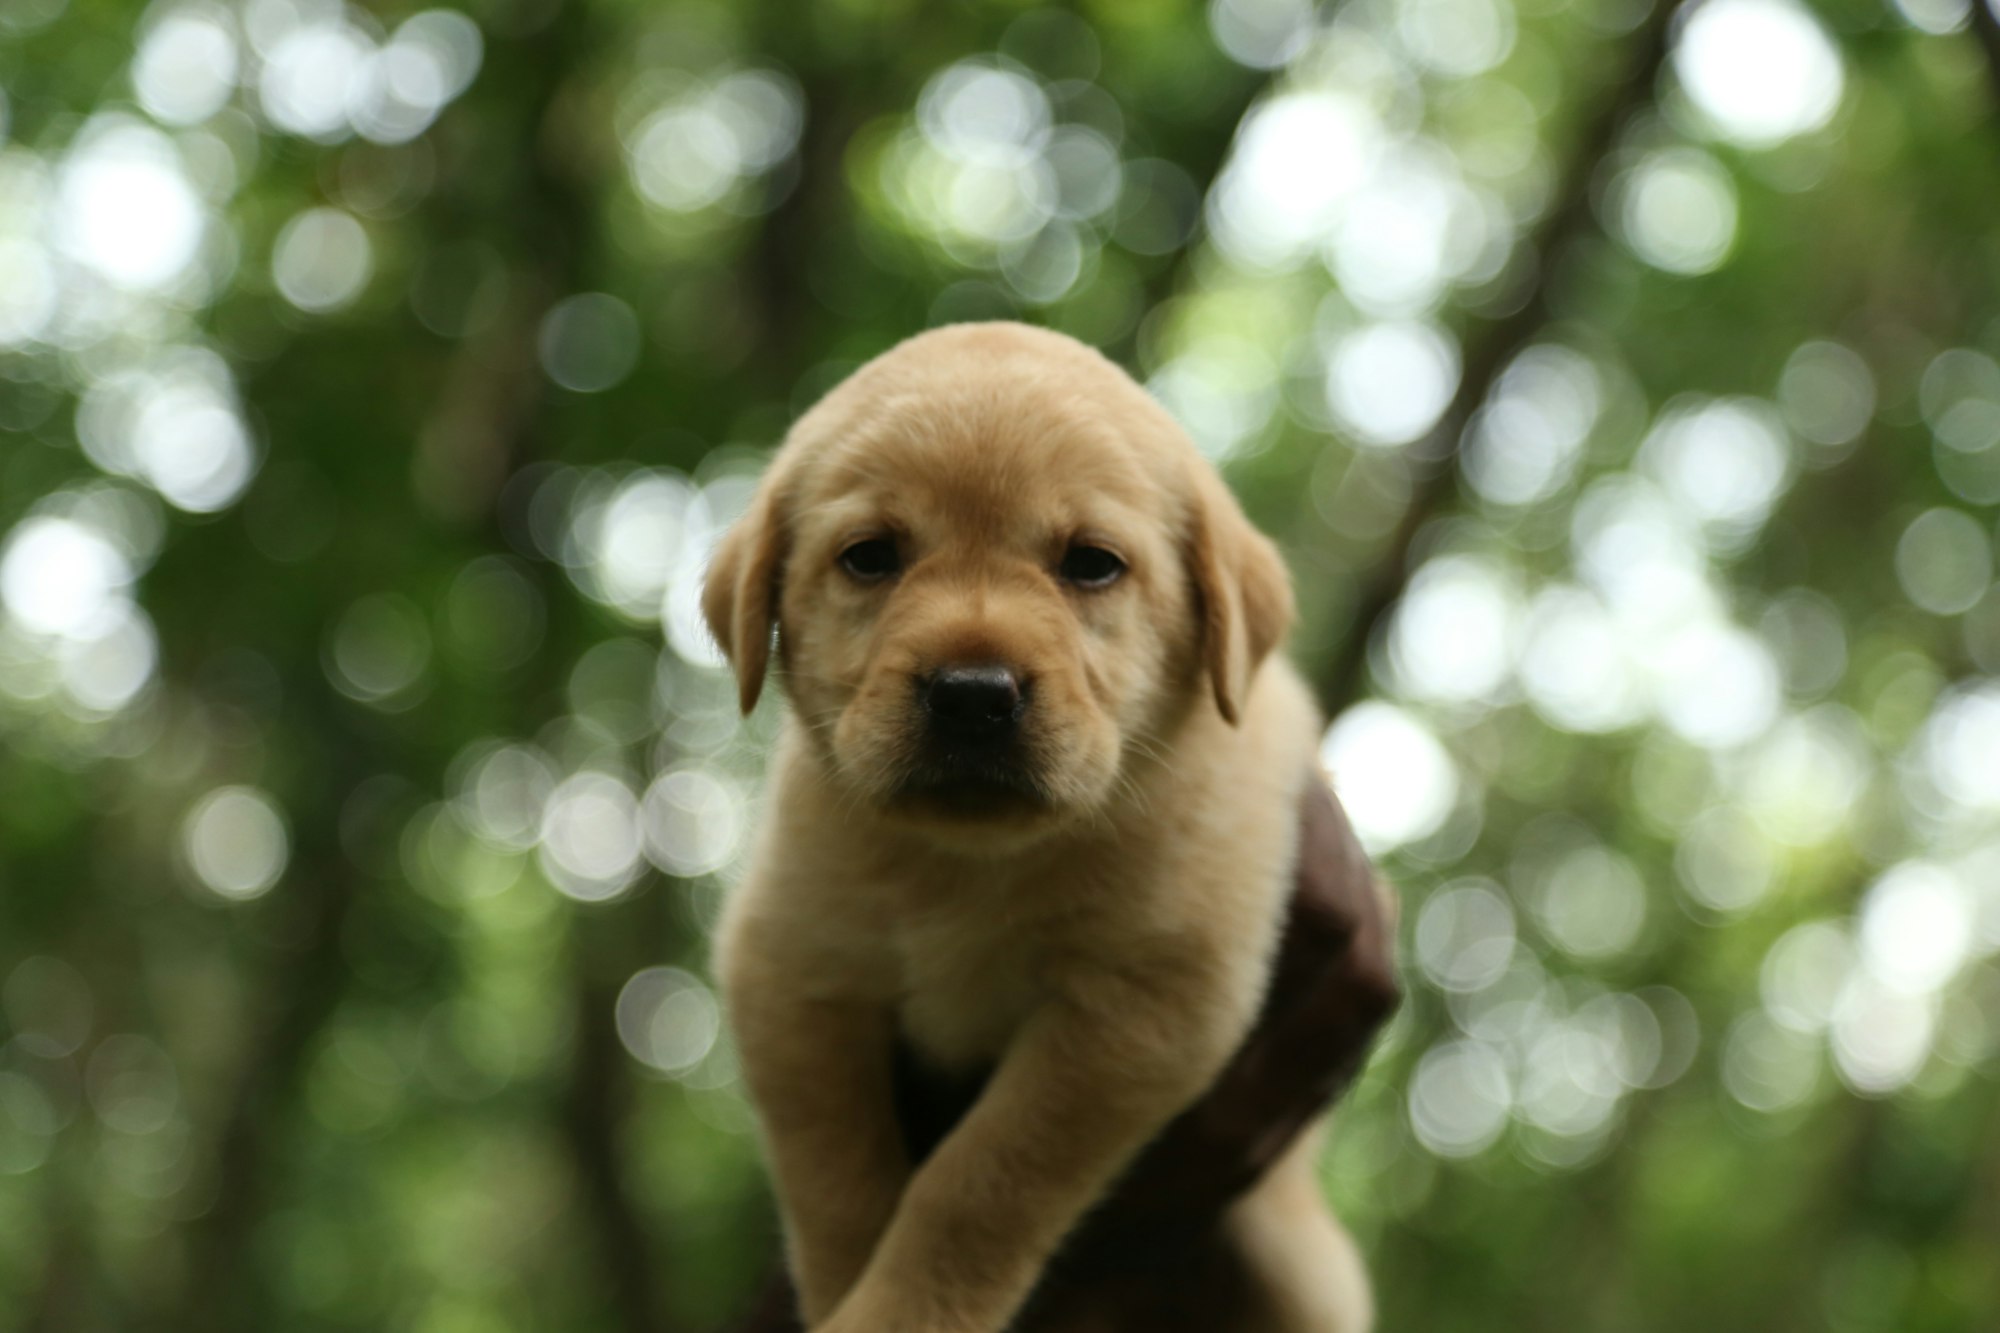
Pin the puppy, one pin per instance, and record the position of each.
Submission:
(1033, 811)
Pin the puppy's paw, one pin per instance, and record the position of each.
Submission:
(862, 1313)
(852, 1317)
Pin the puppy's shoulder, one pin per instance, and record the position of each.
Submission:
(1220, 836)
(1283, 719)
(1260, 765)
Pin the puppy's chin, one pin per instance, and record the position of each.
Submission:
(971, 805)
(981, 798)
(974, 821)
(973, 790)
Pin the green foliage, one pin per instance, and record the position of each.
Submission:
(371, 383)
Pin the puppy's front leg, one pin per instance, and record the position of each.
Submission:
(820, 1074)
(1087, 1083)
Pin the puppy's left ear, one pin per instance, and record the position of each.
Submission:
(740, 597)
(1246, 594)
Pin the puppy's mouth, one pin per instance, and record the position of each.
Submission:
(972, 754)
(971, 784)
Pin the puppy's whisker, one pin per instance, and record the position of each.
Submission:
(1129, 788)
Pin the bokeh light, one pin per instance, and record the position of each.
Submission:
(589, 342)
(185, 70)
(1397, 781)
(1760, 71)
(1677, 210)
(1945, 561)
(124, 208)
(376, 385)
(1827, 392)
(378, 651)
(236, 843)
(667, 1019)
(1724, 464)
(1460, 1097)
(58, 576)
(1388, 383)
(322, 260)
(590, 836)
(1455, 632)
(175, 423)
(694, 822)
(703, 144)
(1526, 441)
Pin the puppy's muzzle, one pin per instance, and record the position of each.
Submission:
(975, 755)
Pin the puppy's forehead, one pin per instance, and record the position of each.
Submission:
(993, 449)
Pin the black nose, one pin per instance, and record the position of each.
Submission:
(975, 702)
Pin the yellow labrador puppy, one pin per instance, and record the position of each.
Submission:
(1035, 809)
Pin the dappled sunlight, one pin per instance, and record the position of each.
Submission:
(1397, 782)
(1299, 159)
(1457, 631)
(1677, 210)
(124, 209)
(1759, 71)
(667, 1019)
(1389, 383)
(1526, 440)
(375, 386)
(235, 842)
(704, 142)
(589, 342)
(174, 422)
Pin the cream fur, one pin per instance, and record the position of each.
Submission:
(1105, 948)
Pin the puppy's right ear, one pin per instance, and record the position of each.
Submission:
(740, 597)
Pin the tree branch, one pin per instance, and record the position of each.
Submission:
(301, 990)
(495, 415)
(1203, 155)
(595, 1101)
(1491, 345)
(1986, 27)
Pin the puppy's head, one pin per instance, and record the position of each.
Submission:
(999, 573)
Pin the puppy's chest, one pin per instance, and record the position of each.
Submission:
(967, 987)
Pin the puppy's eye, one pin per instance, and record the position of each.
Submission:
(1091, 567)
(871, 560)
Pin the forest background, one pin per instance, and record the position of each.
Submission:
(1619, 379)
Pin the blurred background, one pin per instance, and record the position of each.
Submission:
(1620, 380)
